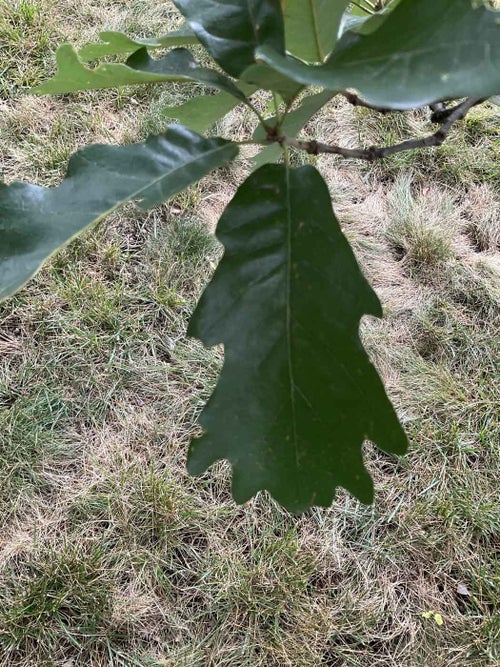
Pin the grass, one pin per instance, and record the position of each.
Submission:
(26, 36)
(109, 553)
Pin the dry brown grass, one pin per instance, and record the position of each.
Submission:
(109, 553)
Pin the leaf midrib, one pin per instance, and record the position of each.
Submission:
(155, 181)
(288, 322)
(317, 38)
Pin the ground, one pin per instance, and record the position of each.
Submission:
(110, 554)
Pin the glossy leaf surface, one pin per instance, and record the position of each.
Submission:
(182, 64)
(424, 51)
(178, 65)
(297, 394)
(36, 221)
(115, 43)
(311, 27)
(230, 31)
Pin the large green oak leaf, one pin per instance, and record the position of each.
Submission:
(421, 51)
(297, 395)
(230, 30)
(36, 221)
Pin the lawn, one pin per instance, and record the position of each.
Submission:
(110, 554)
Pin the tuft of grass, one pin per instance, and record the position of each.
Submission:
(58, 600)
(423, 247)
(476, 286)
(27, 37)
(421, 227)
(32, 446)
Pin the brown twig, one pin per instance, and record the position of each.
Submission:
(437, 106)
(378, 152)
(356, 101)
(439, 109)
(441, 112)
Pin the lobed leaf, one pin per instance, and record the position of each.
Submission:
(178, 65)
(181, 61)
(420, 52)
(297, 394)
(36, 221)
(115, 43)
(231, 31)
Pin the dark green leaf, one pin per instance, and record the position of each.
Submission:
(297, 394)
(311, 27)
(117, 43)
(35, 221)
(178, 65)
(265, 77)
(422, 52)
(182, 64)
(230, 31)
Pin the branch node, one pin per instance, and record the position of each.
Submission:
(313, 147)
(372, 153)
